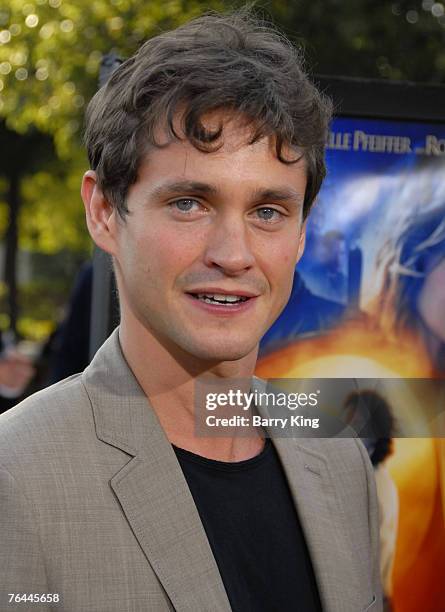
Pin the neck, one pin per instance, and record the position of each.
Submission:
(169, 379)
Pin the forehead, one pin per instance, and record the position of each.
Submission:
(231, 161)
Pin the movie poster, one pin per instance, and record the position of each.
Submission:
(368, 301)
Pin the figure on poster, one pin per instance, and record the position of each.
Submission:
(326, 268)
(411, 305)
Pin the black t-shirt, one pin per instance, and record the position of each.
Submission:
(254, 532)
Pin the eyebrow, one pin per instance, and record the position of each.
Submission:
(178, 187)
(277, 194)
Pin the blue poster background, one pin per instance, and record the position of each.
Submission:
(381, 175)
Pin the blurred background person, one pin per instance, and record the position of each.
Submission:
(16, 371)
(70, 347)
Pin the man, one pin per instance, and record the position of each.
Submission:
(206, 153)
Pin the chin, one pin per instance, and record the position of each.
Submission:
(218, 351)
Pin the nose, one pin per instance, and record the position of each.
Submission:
(228, 246)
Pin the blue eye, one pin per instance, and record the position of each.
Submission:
(268, 214)
(184, 205)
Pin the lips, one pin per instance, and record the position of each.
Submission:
(221, 301)
(218, 291)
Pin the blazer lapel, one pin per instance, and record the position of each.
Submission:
(151, 488)
(320, 513)
(315, 499)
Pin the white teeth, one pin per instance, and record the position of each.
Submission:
(220, 297)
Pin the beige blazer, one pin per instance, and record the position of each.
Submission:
(94, 506)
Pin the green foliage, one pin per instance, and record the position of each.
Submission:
(34, 329)
(50, 52)
(43, 300)
(54, 217)
(402, 40)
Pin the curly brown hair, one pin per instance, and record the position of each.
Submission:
(233, 61)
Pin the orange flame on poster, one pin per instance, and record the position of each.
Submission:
(417, 465)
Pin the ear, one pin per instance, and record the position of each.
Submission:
(301, 242)
(100, 215)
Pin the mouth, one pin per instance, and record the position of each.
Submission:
(223, 302)
(220, 298)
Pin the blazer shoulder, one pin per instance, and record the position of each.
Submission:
(56, 412)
